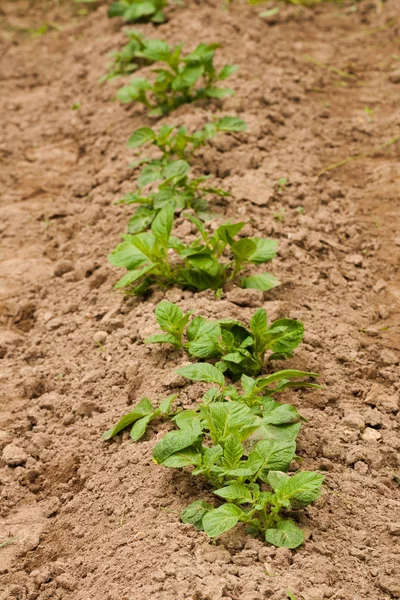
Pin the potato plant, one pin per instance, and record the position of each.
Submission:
(138, 10)
(184, 79)
(138, 52)
(159, 258)
(239, 442)
(239, 349)
(178, 189)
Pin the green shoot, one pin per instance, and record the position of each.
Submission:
(239, 349)
(184, 79)
(238, 441)
(178, 190)
(174, 142)
(138, 52)
(138, 10)
(210, 261)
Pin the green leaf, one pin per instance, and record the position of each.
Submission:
(127, 255)
(227, 71)
(263, 382)
(140, 221)
(243, 249)
(235, 491)
(142, 409)
(231, 124)
(275, 413)
(174, 441)
(116, 9)
(285, 534)
(218, 521)
(274, 456)
(187, 77)
(263, 282)
(258, 322)
(292, 333)
(139, 428)
(163, 338)
(138, 10)
(203, 372)
(195, 512)
(162, 225)
(233, 451)
(141, 136)
(170, 318)
(183, 458)
(176, 170)
(301, 489)
(211, 455)
(265, 250)
(133, 276)
(218, 93)
(165, 405)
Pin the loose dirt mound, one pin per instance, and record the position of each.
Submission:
(90, 520)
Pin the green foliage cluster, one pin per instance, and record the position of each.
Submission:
(138, 10)
(182, 80)
(206, 263)
(239, 349)
(242, 442)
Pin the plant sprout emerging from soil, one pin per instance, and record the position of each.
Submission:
(210, 261)
(178, 190)
(184, 79)
(176, 143)
(138, 10)
(242, 442)
(239, 349)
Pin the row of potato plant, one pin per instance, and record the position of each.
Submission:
(238, 438)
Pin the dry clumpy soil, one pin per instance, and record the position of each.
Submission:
(88, 520)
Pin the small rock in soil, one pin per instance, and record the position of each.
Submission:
(354, 420)
(14, 455)
(100, 337)
(246, 297)
(389, 357)
(371, 435)
(66, 581)
(395, 76)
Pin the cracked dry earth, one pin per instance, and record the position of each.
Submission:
(88, 520)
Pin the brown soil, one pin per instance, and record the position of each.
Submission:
(97, 520)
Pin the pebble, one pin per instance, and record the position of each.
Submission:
(389, 357)
(63, 266)
(14, 455)
(395, 76)
(371, 435)
(354, 420)
(394, 528)
(66, 581)
(100, 337)
(354, 259)
(379, 286)
(49, 400)
(244, 297)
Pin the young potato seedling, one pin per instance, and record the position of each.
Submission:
(239, 442)
(138, 52)
(178, 190)
(174, 142)
(138, 10)
(140, 417)
(238, 348)
(184, 79)
(158, 258)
